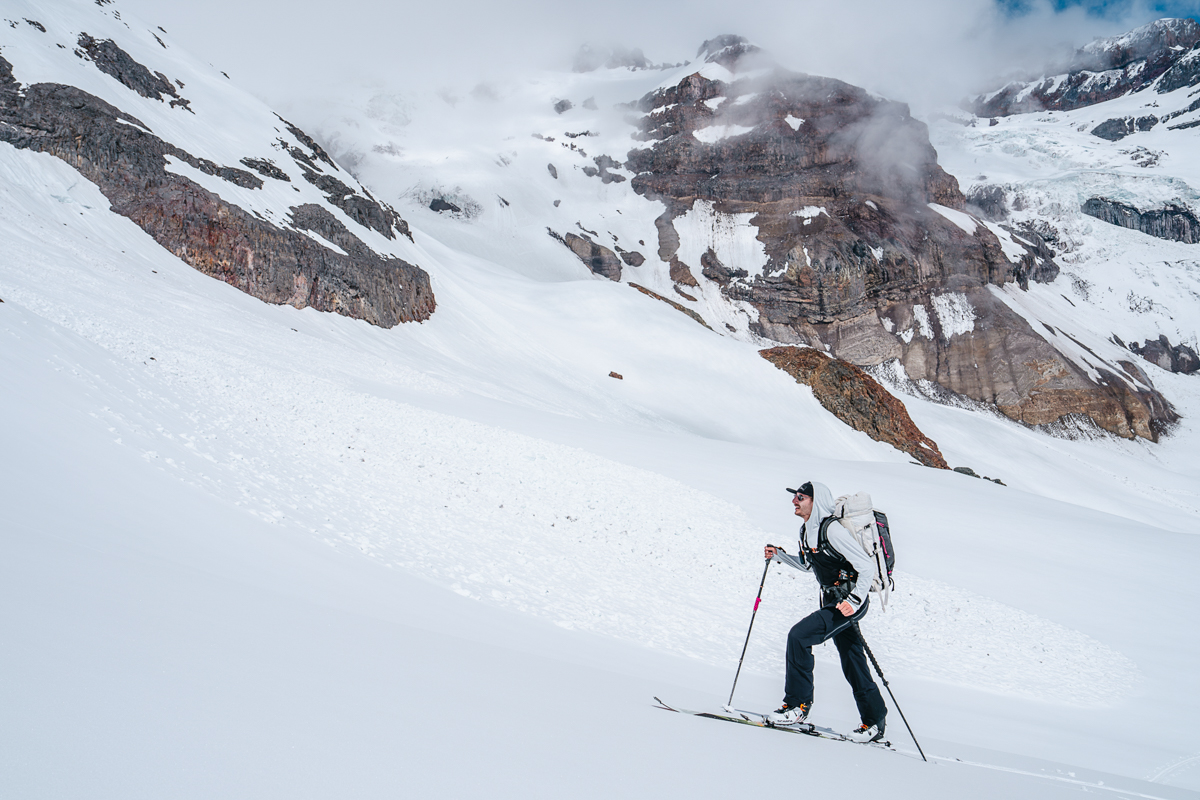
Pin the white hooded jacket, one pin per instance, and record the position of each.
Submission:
(840, 540)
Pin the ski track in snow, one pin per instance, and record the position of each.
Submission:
(299, 430)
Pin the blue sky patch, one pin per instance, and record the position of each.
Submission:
(1109, 8)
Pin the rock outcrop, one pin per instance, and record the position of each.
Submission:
(598, 258)
(1173, 358)
(277, 264)
(116, 63)
(1172, 221)
(858, 400)
(824, 209)
(671, 303)
(1164, 54)
(1117, 129)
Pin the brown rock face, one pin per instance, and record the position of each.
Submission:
(277, 265)
(1005, 362)
(858, 400)
(598, 258)
(839, 186)
(671, 303)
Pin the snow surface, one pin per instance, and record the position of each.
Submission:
(257, 551)
(955, 313)
(730, 236)
(715, 133)
(809, 213)
(964, 221)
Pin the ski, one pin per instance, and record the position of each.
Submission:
(757, 720)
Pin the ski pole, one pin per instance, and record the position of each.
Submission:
(875, 664)
(753, 614)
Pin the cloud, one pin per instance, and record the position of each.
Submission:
(924, 53)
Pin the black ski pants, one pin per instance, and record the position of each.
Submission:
(818, 626)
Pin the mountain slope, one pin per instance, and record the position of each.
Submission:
(1163, 54)
(191, 568)
(299, 234)
(776, 207)
(253, 549)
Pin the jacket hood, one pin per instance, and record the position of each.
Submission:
(822, 506)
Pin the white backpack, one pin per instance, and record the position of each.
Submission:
(870, 529)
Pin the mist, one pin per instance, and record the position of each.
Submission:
(926, 53)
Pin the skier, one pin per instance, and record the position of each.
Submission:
(844, 571)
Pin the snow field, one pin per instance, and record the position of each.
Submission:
(604, 536)
(493, 515)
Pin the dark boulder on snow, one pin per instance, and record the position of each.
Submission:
(858, 400)
(598, 258)
(1116, 129)
(273, 263)
(266, 168)
(1172, 221)
(631, 257)
(438, 204)
(1173, 358)
(601, 170)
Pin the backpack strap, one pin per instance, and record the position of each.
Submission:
(823, 533)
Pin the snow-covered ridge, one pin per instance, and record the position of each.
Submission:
(1158, 55)
(137, 102)
(1142, 41)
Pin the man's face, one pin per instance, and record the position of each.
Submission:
(803, 505)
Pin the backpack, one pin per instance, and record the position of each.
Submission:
(870, 529)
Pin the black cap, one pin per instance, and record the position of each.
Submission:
(805, 489)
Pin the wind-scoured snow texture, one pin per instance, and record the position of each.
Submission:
(168, 166)
(1053, 663)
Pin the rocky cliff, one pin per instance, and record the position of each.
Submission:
(1172, 221)
(154, 182)
(853, 237)
(1173, 358)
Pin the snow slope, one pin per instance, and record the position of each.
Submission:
(251, 550)
(161, 611)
